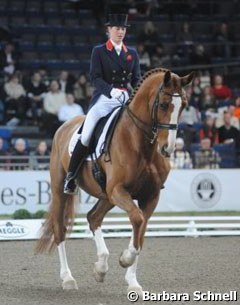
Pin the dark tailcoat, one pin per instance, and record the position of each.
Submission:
(109, 70)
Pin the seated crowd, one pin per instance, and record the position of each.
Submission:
(18, 156)
(43, 101)
(210, 122)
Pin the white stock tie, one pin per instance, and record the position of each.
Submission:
(118, 50)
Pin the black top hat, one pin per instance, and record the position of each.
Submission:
(117, 20)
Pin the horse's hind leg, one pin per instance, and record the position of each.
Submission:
(95, 218)
(68, 282)
(62, 209)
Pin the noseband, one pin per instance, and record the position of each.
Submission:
(156, 125)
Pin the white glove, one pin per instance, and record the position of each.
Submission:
(116, 93)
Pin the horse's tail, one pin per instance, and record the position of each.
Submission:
(50, 235)
(47, 243)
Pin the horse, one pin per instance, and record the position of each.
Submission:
(142, 141)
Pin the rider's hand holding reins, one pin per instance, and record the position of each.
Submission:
(116, 93)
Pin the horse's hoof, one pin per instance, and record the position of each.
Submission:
(99, 273)
(70, 284)
(137, 289)
(126, 259)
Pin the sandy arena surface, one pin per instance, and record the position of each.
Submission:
(171, 264)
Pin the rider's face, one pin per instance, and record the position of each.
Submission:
(116, 33)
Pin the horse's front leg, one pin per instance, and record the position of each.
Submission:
(95, 218)
(120, 197)
(131, 275)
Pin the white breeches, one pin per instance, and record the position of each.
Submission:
(102, 108)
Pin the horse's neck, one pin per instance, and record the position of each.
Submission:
(141, 105)
(136, 137)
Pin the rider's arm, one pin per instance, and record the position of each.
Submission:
(96, 74)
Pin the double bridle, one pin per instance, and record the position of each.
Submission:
(155, 126)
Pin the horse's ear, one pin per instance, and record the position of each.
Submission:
(185, 80)
(167, 79)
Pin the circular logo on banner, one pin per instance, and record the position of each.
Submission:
(205, 190)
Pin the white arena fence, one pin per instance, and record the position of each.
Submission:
(119, 227)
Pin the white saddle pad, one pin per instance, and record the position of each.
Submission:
(101, 140)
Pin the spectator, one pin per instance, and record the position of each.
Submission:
(52, 102)
(209, 130)
(180, 158)
(219, 90)
(196, 91)
(144, 58)
(184, 43)
(206, 157)
(20, 155)
(41, 156)
(220, 118)
(15, 100)
(207, 100)
(227, 133)
(149, 37)
(66, 82)
(189, 117)
(234, 119)
(159, 58)
(190, 114)
(223, 37)
(44, 75)
(8, 59)
(185, 35)
(2, 107)
(83, 92)
(3, 153)
(236, 110)
(199, 56)
(70, 110)
(36, 91)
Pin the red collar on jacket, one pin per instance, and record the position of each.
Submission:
(110, 46)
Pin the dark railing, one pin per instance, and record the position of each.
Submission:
(19, 163)
(24, 162)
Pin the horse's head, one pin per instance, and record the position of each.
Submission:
(166, 105)
(156, 105)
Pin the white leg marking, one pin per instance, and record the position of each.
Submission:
(131, 276)
(101, 266)
(128, 256)
(65, 273)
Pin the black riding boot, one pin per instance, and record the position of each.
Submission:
(78, 156)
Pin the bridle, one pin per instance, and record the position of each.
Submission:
(156, 125)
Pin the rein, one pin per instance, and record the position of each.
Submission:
(152, 130)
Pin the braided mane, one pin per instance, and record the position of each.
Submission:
(145, 76)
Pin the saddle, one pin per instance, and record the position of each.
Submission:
(99, 129)
(105, 148)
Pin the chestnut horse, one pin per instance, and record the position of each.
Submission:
(143, 139)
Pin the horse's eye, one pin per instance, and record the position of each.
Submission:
(163, 106)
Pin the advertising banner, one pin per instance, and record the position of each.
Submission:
(185, 190)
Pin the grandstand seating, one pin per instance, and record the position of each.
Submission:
(41, 26)
(227, 154)
(53, 34)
